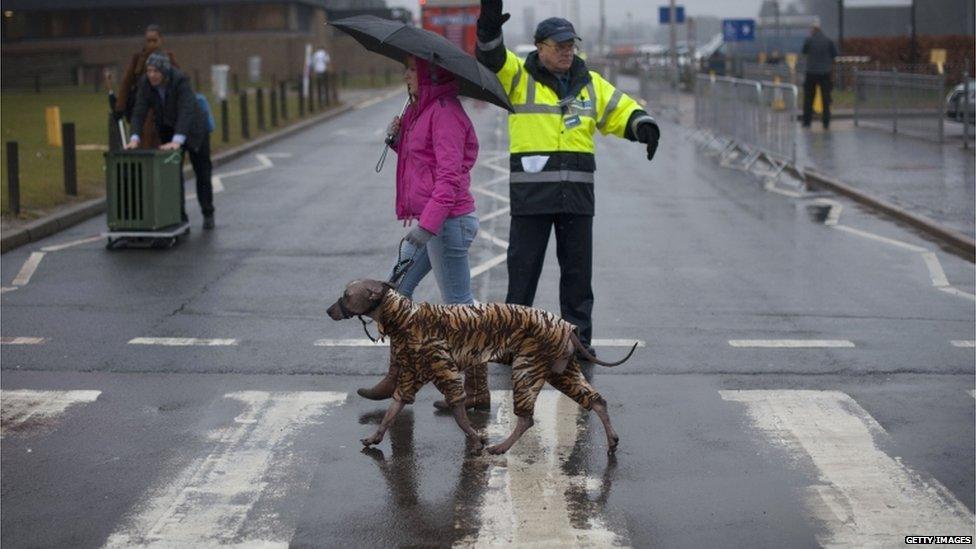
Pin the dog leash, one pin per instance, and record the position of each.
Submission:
(400, 270)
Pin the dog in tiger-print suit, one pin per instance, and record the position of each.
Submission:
(435, 343)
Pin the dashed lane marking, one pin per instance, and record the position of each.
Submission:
(182, 341)
(862, 497)
(968, 344)
(790, 343)
(66, 245)
(22, 340)
(385, 343)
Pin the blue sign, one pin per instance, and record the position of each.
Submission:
(739, 30)
(664, 14)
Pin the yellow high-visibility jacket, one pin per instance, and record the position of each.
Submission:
(551, 138)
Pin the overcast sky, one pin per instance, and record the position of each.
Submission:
(617, 10)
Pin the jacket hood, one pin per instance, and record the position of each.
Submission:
(433, 83)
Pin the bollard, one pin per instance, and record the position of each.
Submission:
(233, 78)
(966, 116)
(301, 104)
(311, 99)
(13, 178)
(260, 104)
(283, 95)
(52, 122)
(273, 103)
(224, 121)
(325, 84)
(245, 130)
(68, 155)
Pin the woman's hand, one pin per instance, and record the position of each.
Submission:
(394, 127)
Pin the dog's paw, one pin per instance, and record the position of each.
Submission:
(497, 450)
(612, 448)
(369, 441)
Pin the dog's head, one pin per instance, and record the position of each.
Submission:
(361, 297)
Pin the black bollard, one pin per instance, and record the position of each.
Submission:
(311, 98)
(13, 178)
(245, 130)
(325, 84)
(274, 108)
(224, 121)
(301, 104)
(233, 78)
(283, 94)
(68, 154)
(260, 104)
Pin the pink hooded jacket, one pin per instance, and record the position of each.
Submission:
(437, 147)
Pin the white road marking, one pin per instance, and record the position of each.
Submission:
(958, 293)
(494, 214)
(495, 181)
(492, 194)
(5, 289)
(214, 501)
(936, 273)
(864, 497)
(352, 343)
(525, 503)
(790, 343)
(27, 271)
(484, 267)
(20, 406)
(770, 186)
(66, 245)
(968, 344)
(503, 244)
(618, 343)
(182, 341)
(22, 340)
(505, 170)
(872, 236)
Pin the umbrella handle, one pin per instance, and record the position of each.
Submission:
(390, 139)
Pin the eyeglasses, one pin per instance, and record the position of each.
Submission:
(567, 47)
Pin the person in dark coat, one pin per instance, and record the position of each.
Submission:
(180, 122)
(820, 52)
(126, 100)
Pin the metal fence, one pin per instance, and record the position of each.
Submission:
(756, 117)
(660, 87)
(912, 104)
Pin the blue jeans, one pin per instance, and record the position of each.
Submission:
(447, 255)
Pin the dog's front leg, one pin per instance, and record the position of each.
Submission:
(520, 428)
(391, 413)
(476, 442)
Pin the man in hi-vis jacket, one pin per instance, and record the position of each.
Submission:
(559, 104)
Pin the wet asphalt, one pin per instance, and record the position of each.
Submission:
(688, 256)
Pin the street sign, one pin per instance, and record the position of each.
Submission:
(664, 14)
(739, 30)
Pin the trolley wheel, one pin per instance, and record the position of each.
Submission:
(110, 245)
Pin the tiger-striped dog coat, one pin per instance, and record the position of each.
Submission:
(435, 343)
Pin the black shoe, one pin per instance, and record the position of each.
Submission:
(208, 222)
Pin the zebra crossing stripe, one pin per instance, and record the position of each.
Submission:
(213, 501)
(23, 406)
(966, 344)
(864, 498)
(526, 500)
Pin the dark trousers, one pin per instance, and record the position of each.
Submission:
(202, 170)
(527, 241)
(809, 91)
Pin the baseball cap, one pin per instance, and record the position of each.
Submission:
(556, 28)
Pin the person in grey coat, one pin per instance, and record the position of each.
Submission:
(820, 52)
(181, 124)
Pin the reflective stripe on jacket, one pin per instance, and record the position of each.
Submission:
(551, 138)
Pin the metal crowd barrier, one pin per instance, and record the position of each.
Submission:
(913, 104)
(756, 117)
(660, 87)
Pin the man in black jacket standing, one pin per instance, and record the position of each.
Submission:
(820, 52)
(181, 124)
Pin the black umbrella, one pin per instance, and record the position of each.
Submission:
(397, 40)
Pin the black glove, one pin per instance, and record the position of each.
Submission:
(418, 236)
(649, 134)
(491, 20)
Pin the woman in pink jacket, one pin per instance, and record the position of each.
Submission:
(436, 148)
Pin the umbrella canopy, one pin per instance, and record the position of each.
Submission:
(397, 40)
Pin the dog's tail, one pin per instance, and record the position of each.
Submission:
(581, 349)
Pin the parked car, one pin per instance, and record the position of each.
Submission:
(956, 103)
